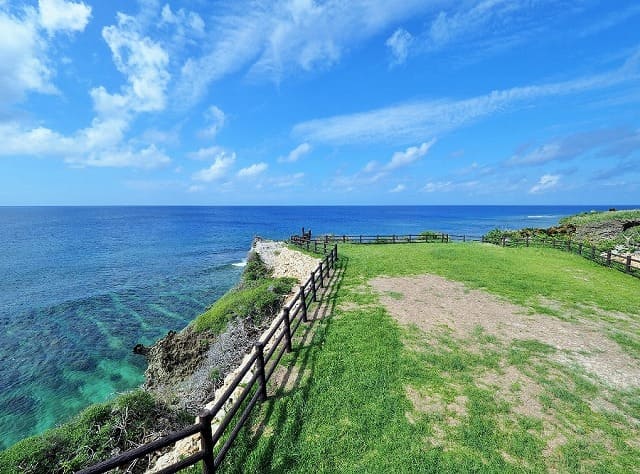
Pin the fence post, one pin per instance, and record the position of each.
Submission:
(324, 247)
(464, 238)
(409, 238)
(303, 303)
(335, 254)
(360, 238)
(308, 245)
(287, 329)
(321, 276)
(527, 240)
(315, 246)
(627, 266)
(504, 241)
(443, 238)
(206, 442)
(261, 376)
(608, 258)
(313, 285)
(580, 248)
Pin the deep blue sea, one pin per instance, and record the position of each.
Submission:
(80, 286)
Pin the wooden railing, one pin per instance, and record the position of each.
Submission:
(215, 441)
(626, 263)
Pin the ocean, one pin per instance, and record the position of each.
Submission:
(80, 286)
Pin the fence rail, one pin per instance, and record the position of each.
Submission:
(265, 356)
(626, 263)
(319, 243)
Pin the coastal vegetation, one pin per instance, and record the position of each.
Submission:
(94, 435)
(606, 230)
(367, 393)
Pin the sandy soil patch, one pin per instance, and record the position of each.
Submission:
(430, 301)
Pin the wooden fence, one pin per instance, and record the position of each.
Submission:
(265, 356)
(318, 243)
(626, 263)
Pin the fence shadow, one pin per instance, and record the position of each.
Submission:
(292, 378)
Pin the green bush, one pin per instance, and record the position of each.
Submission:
(257, 301)
(255, 269)
(91, 436)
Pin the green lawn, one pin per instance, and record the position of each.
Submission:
(367, 395)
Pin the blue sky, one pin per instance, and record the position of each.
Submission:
(325, 102)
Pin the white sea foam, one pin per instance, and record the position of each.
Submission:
(541, 217)
(243, 263)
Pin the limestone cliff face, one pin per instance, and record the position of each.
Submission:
(184, 368)
(604, 230)
(175, 357)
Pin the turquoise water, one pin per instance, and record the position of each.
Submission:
(81, 286)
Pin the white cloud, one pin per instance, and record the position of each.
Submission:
(438, 186)
(222, 162)
(271, 39)
(370, 167)
(99, 145)
(295, 154)
(410, 155)
(411, 121)
(545, 183)
(399, 43)
(216, 119)
(24, 66)
(149, 157)
(144, 63)
(196, 188)
(607, 143)
(59, 15)
(253, 170)
(187, 22)
(206, 153)
(398, 189)
(286, 181)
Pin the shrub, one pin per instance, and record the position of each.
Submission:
(255, 269)
(257, 301)
(95, 434)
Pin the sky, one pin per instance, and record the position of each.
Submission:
(301, 102)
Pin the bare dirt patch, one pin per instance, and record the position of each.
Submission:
(431, 301)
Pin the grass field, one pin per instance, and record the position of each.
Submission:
(367, 394)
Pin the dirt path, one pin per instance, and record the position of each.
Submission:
(430, 301)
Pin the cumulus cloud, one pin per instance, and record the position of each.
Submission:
(295, 154)
(545, 183)
(399, 43)
(59, 15)
(143, 62)
(23, 63)
(410, 155)
(287, 181)
(215, 119)
(398, 189)
(223, 161)
(253, 170)
(98, 145)
(206, 153)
